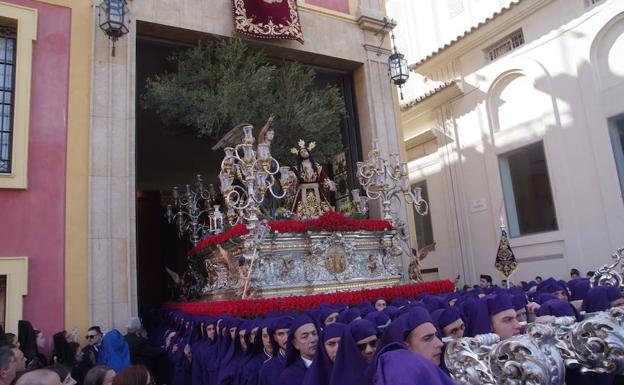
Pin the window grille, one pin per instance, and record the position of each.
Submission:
(505, 45)
(7, 90)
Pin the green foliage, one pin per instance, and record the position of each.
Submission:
(224, 83)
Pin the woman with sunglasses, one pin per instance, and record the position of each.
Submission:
(355, 354)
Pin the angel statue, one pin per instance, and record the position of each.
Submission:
(417, 257)
(310, 201)
(266, 133)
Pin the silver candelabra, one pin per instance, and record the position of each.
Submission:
(383, 180)
(195, 211)
(248, 172)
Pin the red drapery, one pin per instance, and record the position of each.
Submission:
(268, 19)
(252, 307)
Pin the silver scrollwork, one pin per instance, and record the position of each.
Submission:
(598, 343)
(542, 354)
(466, 359)
(608, 275)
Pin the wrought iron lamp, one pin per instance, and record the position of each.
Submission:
(384, 180)
(397, 68)
(195, 212)
(112, 18)
(247, 174)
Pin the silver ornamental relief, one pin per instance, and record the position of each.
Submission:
(608, 274)
(541, 356)
(335, 255)
(598, 342)
(466, 359)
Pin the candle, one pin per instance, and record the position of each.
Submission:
(404, 169)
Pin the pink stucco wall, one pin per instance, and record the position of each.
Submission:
(334, 5)
(32, 221)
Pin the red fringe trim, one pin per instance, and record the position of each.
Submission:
(260, 306)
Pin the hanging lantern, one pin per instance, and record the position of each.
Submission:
(397, 68)
(112, 19)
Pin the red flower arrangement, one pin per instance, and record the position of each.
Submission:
(252, 307)
(330, 221)
(234, 231)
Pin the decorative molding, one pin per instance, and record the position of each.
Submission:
(16, 270)
(26, 19)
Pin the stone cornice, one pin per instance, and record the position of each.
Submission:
(491, 27)
(438, 96)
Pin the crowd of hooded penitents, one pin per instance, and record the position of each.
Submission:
(380, 342)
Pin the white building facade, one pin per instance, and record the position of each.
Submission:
(515, 109)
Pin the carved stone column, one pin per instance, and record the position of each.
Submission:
(376, 98)
(112, 270)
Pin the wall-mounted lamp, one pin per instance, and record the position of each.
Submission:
(112, 18)
(397, 68)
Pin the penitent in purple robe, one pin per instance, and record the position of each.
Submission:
(294, 374)
(351, 368)
(296, 369)
(395, 365)
(319, 373)
(272, 370)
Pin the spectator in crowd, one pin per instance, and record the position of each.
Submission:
(100, 375)
(485, 281)
(538, 279)
(12, 340)
(20, 360)
(63, 373)
(78, 363)
(31, 343)
(114, 351)
(94, 339)
(141, 351)
(134, 375)
(574, 273)
(590, 274)
(8, 366)
(39, 377)
(380, 304)
(60, 354)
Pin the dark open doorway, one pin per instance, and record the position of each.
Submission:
(171, 156)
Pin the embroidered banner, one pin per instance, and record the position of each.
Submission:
(268, 19)
(505, 259)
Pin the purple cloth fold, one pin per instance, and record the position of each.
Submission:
(599, 298)
(559, 308)
(379, 318)
(351, 367)
(398, 366)
(444, 317)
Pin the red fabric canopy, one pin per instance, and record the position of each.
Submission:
(268, 19)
